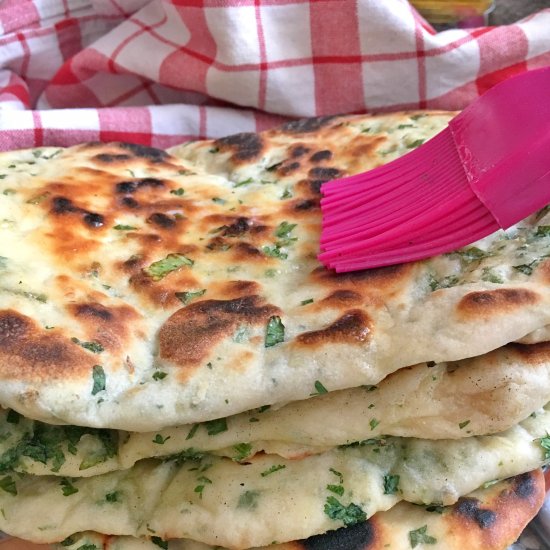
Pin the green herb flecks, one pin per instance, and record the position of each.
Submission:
(283, 231)
(275, 252)
(445, 282)
(172, 262)
(543, 231)
(69, 541)
(159, 440)
(159, 375)
(67, 487)
(189, 295)
(287, 194)
(420, 536)
(113, 497)
(94, 347)
(337, 474)
(99, 378)
(248, 499)
(243, 450)
(306, 302)
(160, 543)
(275, 332)
(319, 389)
(178, 192)
(192, 432)
(545, 444)
(348, 515)
(490, 276)
(214, 427)
(391, 484)
(243, 182)
(463, 424)
(373, 423)
(8, 484)
(122, 227)
(415, 143)
(200, 488)
(338, 489)
(273, 469)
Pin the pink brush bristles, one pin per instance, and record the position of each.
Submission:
(490, 168)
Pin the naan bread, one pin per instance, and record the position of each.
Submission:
(269, 498)
(487, 519)
(139, 292)
(477, 396)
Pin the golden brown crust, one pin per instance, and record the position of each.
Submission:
(28, 351)
(352, 327)
(492, 302)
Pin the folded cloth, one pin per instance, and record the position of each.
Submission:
(159, 72)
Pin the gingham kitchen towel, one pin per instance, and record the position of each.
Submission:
(159, 72)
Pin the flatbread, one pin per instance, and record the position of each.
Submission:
(477, 396)
(139, 292)
(487, 519)
(268, 498)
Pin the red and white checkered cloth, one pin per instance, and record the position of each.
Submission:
(159, 72)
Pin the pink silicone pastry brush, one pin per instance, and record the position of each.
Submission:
(489, 169)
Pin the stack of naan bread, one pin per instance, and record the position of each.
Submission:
(179, 371)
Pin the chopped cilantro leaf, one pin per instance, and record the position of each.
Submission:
(188, 296)
(159, 440)
(543, 231)
(319, 388)
(274, 252)
(415, 143)
(179, 192)
(172, 262)
(67, 487)
(545, 444)
(214, 150)
(338, 489)
(306, 302)
(373, 423)
(192, 432)
(349, 515)
(113, 497)
(287, 194)
(68, 541)
(122, 227)
(88, 547)
(159, 542)
(275, 332)
(274, 468)
(463, 424)
(284, 229)
(8, 484)
(391, 484)
(94, 347)
(337, 474)
(244, 182)
(526, 269)
(98, 375)
(420, 536)
(243, 451)
(159, 375)
(214, 427)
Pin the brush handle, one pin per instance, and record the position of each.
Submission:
(503, 140)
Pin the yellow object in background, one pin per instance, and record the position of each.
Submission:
(461, 13)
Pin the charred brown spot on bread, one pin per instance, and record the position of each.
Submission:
(62, 206)
(298, 150)
(235, 289)
(131, 186)
(246, 146)
(110, 158)
(380, 277)
(469, 508)
(361, 536)
(189, 335)
(531, 353)
(306, 125)
(353, 327)
(504, 300)
(247, 252)
(239, 227)
(28, 350)
(286, 168)
(524, 485)
(151, 154)
(110, 326)
(340, 299)
(161, 220)
(130, 202)
(305, 205)
(319, 156)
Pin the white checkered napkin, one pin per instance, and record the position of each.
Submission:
(234, 65)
